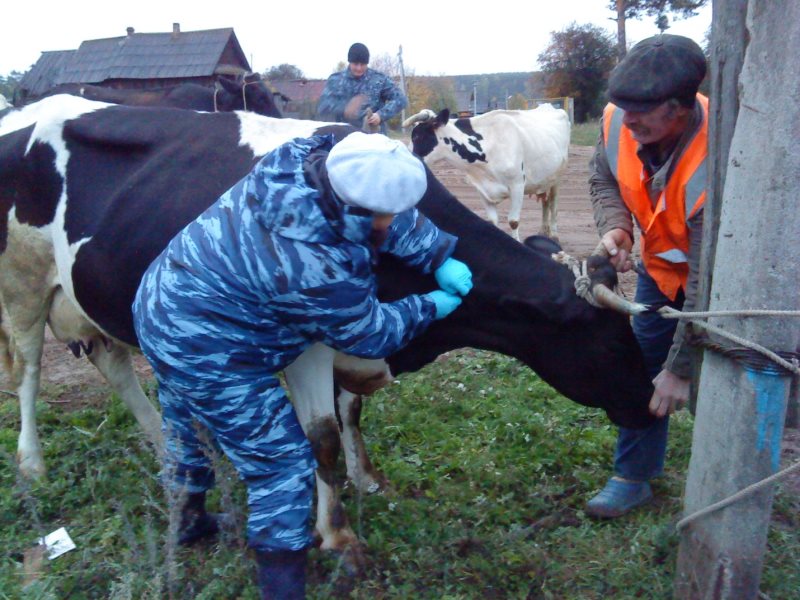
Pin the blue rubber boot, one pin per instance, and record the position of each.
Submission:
(619, 497)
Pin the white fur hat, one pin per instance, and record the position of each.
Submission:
(376, 173)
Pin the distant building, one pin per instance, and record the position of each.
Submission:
(138, 60)
(303, 96)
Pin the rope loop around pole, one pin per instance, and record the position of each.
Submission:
(751, 355)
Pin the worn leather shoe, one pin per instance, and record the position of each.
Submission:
(619, 497)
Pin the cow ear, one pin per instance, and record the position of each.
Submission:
(541, 243)
(443, 117)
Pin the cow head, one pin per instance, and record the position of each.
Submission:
(423, 136)
(249, 92)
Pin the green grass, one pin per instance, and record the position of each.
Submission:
(585, 134)
(489, 467)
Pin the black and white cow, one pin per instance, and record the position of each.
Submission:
(91, 193)
(245, 92)
(504, 154)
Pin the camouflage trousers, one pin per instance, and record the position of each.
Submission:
(258, 430)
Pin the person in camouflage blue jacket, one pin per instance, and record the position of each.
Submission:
(282, 260)
(349, 93)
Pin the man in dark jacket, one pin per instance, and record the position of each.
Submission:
(348, 94)
(281, 261)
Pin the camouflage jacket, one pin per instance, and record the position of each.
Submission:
(381, 95)
(273, 266)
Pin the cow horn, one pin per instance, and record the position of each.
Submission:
(426, 114)
(605, 297)
(600, 250)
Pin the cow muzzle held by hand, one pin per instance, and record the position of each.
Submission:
(454, 276)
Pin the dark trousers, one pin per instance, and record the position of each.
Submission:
(639, 454)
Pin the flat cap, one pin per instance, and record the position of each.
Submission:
(376, 173)
(656, 69)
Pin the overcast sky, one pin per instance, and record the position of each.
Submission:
(314, 35)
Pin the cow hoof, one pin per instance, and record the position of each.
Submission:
(374, 483)
(31, 468)
(353, 560)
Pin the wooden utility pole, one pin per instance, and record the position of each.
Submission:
(739, 420)
(402, 80)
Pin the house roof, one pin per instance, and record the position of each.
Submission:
(300, 90)
(41, 76)
(175, 54)
(150, 56)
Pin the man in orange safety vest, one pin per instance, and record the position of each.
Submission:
(650, 167)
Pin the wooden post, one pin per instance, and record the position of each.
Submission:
(727, 55)
(739, 422)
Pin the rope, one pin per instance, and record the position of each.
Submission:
(582, 281)
(750, 489)
(793, 366)
(582, 286)
(732, 313)
(244, 92)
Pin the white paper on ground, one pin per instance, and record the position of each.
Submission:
(57, 543)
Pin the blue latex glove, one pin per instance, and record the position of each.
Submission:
(444, 301)
(454, 276)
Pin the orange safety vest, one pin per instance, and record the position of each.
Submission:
(665, 233)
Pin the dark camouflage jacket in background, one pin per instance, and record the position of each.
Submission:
(382, 96)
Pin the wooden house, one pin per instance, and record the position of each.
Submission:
(139, 60)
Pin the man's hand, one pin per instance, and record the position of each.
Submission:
(355, 108)
(671, 393)
(619, 244)
(374, 120)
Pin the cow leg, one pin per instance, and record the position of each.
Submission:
(517, 194)
(25, 293)
(358, 377)
(549, 226)
(360, 469)
(310, 382)
(491, 212)
(28, 354)
(116, 366)
(113, 360)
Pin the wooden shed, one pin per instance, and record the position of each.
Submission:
(139, 60)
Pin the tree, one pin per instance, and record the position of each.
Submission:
(283, 72)
(435, 93)
(577, 63)
(388, 64)
(9, 84)
(517, 102)
(658, 9)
